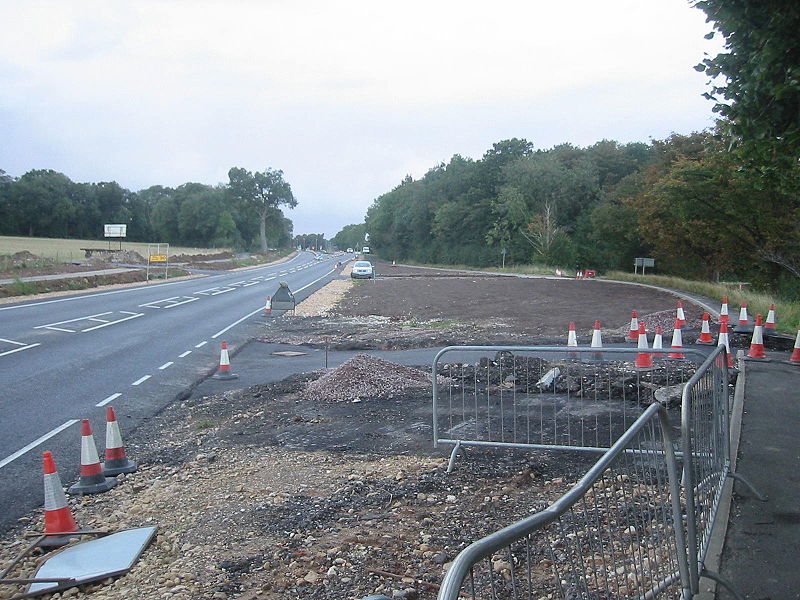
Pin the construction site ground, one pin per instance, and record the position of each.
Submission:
(263, 490)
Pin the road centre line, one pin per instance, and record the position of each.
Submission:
(141, 380)
(247, 316)
(36, 442)
(109, 399)
(201, 344)
(185, 354)
(18, 349)
(165, 365)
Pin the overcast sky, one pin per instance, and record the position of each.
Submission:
(346, 97)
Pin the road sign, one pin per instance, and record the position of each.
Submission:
(115, 230)
(158, 258)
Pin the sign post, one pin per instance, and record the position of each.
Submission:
(115, 230)
(643, 262)
(157, 255)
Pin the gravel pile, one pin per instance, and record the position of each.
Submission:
(666, 320)
(127, 257)
(365, 376)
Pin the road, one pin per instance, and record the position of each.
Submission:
(137, 348)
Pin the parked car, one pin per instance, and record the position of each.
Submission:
(362, 269)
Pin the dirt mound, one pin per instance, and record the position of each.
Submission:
(365, 376)
(202, 257)
(23, 259)
(127, 257)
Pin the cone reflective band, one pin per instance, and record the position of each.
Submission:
(770, 322)
(723, 341)
(116, 461)
(757, 343)
(794, 359)
(572, 340)
(92, 480)
(705, 332)
(680, 315)
(633, 333)
(723, 311)
(677, 342)
(57, 515)
(224, 371)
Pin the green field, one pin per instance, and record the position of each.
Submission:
(70, 250)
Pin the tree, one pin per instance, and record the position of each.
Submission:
(261, 192)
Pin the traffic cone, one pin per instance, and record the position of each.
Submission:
(268, 306)
(677, 342)
(633, 333)
(644, 360)
(572, 340)
(680, 316)
(769, 324)
(597, 342)
(744, 325)
(658, 340)
(116, 460)
(58, 517)
(224, 371)
(794, 359)
(724, 317)
(92, 480)
(705, 338)
(757, 343)
(723, 341)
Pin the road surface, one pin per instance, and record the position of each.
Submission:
(137, 348)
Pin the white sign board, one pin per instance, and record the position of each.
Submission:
(115, 230)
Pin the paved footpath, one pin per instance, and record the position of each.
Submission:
(762, 544)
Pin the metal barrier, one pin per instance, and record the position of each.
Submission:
(545, 397)
(618, 533)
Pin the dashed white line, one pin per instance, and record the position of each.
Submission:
(185, 354)
(201, 344)
(165, 365)
(141, 380)
(36, 442)
(109, 399)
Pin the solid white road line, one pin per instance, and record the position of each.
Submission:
(36, 442)
(72, 320)
(133, 316)
(19, 349)
(185, 354)
(109, 399)
(247, 316)
(141, 380)
(165, 365)
(201, 344)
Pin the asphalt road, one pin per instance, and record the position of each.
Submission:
(137, 349)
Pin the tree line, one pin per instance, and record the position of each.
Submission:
(243, 214)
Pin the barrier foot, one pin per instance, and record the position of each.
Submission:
(759, 496)
(453, 455)
(720, 580)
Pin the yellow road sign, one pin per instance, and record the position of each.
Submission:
(158, 258)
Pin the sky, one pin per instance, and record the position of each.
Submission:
(345, 97)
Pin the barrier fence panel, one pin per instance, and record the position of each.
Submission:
(618, 533)
(548, 397)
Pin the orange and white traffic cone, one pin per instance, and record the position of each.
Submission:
(597, 342)
(224, 371)
(92, 480)
(572, 340)
(658, 341)
(794, 359)
(58, 519)
(644, 360)
(723, 341)
(705, 338)
(744, 325)
(769, 324)
(633, 332)
(680, 316)
(757, 343)
(268, 306)
(677, 343)
(116, 461)
(724, 317)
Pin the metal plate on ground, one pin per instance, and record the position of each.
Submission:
(289, 353)
(94, 560)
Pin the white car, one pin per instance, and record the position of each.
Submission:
(362, 269)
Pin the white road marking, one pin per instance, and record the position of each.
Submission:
(170, 302)
(185, 354)
(247, 316)
(18, 349)
(36, 442)
(132, 316)
(96, 318)
(216, 291)
(109, 399)
(52, 325)
(141, 380)
(201, 344)
(165, 365)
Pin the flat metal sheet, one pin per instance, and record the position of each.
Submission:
(289, 353)
(94, 560)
